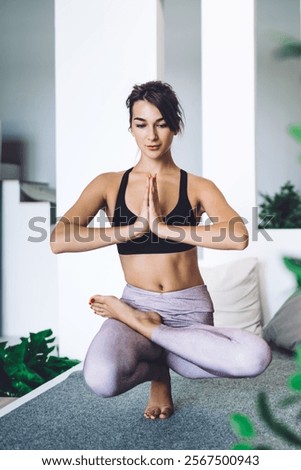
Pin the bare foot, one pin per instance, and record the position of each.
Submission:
(160, 404)
(112, 307)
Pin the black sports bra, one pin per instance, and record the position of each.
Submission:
(150, 243)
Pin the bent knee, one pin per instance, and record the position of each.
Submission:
(103, 381)
(254, 361)
(264, 359)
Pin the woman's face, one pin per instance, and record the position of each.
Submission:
(150, 130)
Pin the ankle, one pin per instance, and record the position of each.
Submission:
(162, 374)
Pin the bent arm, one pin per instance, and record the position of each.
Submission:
(72, 234)
(72, 237)
(227, 230)
(222, 236)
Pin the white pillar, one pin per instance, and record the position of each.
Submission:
(228, 102)
(103, 47)
(29, 271)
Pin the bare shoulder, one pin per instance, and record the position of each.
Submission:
(104, 183)
(95, 196)
(106, 179)
(208, 196)
(211, 199)
(200, 185)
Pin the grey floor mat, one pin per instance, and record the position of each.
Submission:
(69, 416)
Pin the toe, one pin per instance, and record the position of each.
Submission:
(95, 298)
(166, 412)
(152, 413)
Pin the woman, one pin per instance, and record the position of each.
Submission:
(165, 316)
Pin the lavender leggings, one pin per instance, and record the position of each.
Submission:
(119, 358)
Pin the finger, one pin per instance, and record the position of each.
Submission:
(155, 191)
(151, 187)
(145, 201)
(155, 184)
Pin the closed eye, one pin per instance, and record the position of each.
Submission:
(162, 125)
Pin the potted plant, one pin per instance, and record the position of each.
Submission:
(283, 209)
(28, 364)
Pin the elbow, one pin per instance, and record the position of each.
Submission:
(239, 236)
(56, 244)
(242, 246)
(242, 242)
(55, 248)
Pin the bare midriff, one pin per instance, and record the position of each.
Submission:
(162, 272)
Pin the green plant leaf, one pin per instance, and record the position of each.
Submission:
(22, 372)
(294, 382)
(283, 210)
(26, 365)
(294, 265)
(2, 346)
(298, 355)
(20, 388)
(295, 131)
(289, 401)
(6, 388)
(38, 346)
(276, 426)
(242, 425)
(2, 354)
(242, 446)
(263, 447)
(289, 48)
(47, 372)
(61, 363)
(15, 355)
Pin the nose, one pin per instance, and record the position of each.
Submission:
(152, 134)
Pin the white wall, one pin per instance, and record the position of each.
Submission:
(182, 26)
(278, 96)
(29, 270)
(228, 99)
(27, 83)
(102, 49)
(229, 157)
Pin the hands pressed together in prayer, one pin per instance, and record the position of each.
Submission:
(150, 216)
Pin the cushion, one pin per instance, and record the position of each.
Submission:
(233, 287)
(284, 329)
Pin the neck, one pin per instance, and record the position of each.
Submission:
(160, 165)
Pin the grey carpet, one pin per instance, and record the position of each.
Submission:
(69, 416)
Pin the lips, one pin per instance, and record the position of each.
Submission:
(153, 147)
